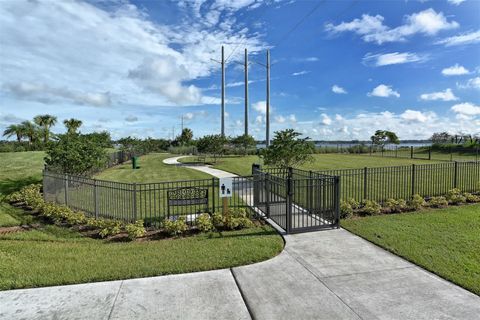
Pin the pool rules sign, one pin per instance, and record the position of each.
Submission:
(226, 190)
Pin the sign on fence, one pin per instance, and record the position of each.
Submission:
(226, 187)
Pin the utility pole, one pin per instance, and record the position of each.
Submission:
(182, 122)
(223, 91)
(246, 92)
(267, 116)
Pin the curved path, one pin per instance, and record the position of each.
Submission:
(319, 275)
(203, 168)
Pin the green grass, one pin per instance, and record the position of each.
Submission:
(446, 242)
(58, 256)
(152, 169)
(243, 165)
(17, 169)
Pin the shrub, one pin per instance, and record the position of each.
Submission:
(455, 196)
(353, 203)
(471, 198)
(417, 202)
(107, 227)
(370, 207)
(175, 227)
(135, 230)
(393, 205)
(346, 210)
(217, 220)
(437, 202)
(204, 222)
(233, 219)
(30, 195)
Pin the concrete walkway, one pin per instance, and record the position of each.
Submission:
(320, 275)
(203, 168)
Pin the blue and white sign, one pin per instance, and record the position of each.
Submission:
(226, 187)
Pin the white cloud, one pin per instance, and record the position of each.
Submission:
(392, 58)
(372, 29)
(417, 116)
(462, 39)
(446, 95)
(292, 118)
(300, 73)
(326, 120)
(455, 70)
(456, 2)
(261, 107)
(466, 109)
(384, 91)
(338, 89)
(473, 83)
(280, 119)
(259, 120)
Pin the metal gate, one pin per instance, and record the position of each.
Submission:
(297, 200)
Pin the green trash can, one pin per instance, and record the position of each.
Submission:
(134, 162)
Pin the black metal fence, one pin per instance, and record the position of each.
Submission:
(401, 182)
(151, 202)
(455, 153)
(297, 200)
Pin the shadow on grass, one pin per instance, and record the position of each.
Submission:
(8, 186)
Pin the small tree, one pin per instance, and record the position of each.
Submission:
(383, 137)
(16, 130)
(212, 144)
(185, 137)
(75, 154)
(45, 122)
(72, 125)
(244, 141)
(288, 150)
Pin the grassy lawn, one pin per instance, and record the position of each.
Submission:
(58, 256)
(152, 169)
(446, 242)
(243, 165)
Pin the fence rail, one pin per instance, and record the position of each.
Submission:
(401, 182)
(459, 153)
(147, 201)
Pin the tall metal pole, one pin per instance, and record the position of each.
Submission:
(267, 134)
(246, 92)
(223, 91)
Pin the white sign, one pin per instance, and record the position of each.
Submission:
(226, 187)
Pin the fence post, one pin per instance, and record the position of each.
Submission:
(256, 184)
(213, 195)
(267, 195)
(365, 182)
(65, 180)
(43, 185)
(337, 201)
(413, 179)
(430, 153)
(289, 201)
(455, 175)
(396, 152)
(134, 202)
(411, 152)
(310, 190)
(95, 197)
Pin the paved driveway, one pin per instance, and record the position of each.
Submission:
(320, 275)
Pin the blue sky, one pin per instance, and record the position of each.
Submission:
(349, 68)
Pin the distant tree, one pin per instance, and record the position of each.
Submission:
(75, 154)
(441, 137)
(102, 138)
(45, 122)
(244, 141)
(16, 130)
(72, 125)
(30, 131)
(288, 150)
(212, 144)
(383, 137)
(185, 137)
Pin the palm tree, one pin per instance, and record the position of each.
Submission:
(45, 122)
(14, 130)
(30, 131)
(72, 125)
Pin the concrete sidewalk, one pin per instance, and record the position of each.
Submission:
(320, 275)
(203, 168)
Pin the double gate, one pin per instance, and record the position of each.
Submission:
(297, 200)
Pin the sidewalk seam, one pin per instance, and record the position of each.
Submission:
(242, 294)
(326, 286)
(115, 300)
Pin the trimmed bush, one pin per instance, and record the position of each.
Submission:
(471, 198)
(438, 202)
(135, 230)
(204, 222)
(176, 227)
(353, 203)
(346, 210)
(393, 205)
(417, 202)
(370, 207)
(455, 196)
